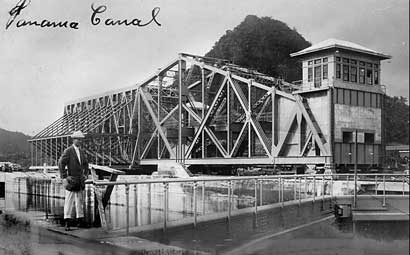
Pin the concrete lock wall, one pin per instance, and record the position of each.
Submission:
(245, 224)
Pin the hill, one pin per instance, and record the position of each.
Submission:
(14, 147)
(263, 44)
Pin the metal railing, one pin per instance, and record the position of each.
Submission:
(311, 187)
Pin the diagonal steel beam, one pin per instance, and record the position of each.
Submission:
(209, 132)
(193, 85)
(283, 139)
(239, 140)
(158, 125)
(309, 137)
(261, 135)
(148, 146)
(155, 133)
(239, 94)
(264, 87)
(265, 104)
(137, 107)
(216, 142)
(191, 101)
(256, 126)
(205, 66)
(154, 76)
(311, 126)
(205, 120)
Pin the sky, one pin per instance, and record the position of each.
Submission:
(42, 68)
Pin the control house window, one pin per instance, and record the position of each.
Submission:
(318, 71)
(353, 74)
(361, 75)
(368, 138)
(376, 77)
(325, 73)
(369, 74)
(345, 72)
(352, 70)
(310, 74)
(347, 137)
(338, 72)
(357, 98)
(318, 78)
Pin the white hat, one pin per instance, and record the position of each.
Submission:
(78, 134)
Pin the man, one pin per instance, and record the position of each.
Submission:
(73, 179)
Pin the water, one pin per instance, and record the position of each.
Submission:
(323, 238)
(331, 237)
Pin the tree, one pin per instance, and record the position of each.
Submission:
(263, 44)
(396, 120)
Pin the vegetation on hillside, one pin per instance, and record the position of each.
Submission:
(14, 147)
(263, 44)
(396, 120)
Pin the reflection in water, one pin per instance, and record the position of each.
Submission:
(324, 238)
(44, 197)
(387, 231)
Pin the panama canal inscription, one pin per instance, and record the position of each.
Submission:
(97, 18)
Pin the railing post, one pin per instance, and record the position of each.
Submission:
(331, 187)
(375, 186)
(300, 190)
(18, 188)
(347, 184)
(165, 205)
(229, 199)
(203, 198)
(403, 185)
(314, 188)
(355, 191)
(47, 197)
(282, 191)
(195, 205)
(294, 188)
(323, 188)
(260, 192)
(279, 189)
(306, 187)
(256, 196)
(384, 190)
(127, 204)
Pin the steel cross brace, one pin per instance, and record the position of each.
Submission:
(205, 120)
(157, 124)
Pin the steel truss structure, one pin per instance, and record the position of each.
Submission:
(196, 111)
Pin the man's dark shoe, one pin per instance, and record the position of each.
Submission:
(67, 225)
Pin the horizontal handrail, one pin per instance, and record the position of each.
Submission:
(234, 178)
